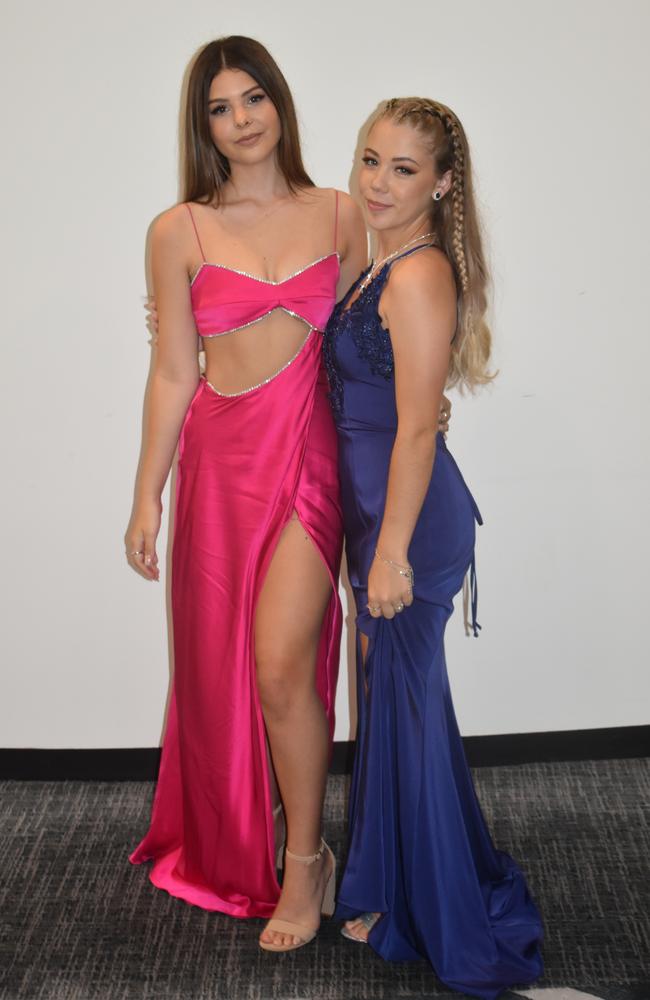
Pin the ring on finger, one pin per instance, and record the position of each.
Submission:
(399, 607)
(374, 608)
(137, 552)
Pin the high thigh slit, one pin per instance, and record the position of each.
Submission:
(247, 462)
(212, 831)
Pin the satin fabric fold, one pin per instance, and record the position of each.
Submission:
(245, 464)
(225, 300)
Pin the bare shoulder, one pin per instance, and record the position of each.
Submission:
(421, 290)
(348, 207)
(349, 211)
(427, 273)
(352, 221)
(351, 226)
(172, 227)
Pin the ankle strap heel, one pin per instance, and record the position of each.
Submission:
(329, 897)
(306, 934)
(308, 859)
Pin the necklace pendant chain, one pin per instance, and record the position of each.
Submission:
(376, 268)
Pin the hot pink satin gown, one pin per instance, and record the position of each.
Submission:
(247, 461)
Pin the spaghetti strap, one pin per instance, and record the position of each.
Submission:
(407, 253)
(198, 238)
(336, 217)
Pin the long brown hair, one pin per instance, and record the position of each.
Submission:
(204, 169)
(455, 221)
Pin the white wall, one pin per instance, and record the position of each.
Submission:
(553, 97)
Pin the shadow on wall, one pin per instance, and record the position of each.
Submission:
(353, 180)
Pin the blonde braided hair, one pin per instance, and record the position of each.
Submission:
(456, 224)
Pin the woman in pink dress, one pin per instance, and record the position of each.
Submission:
(253, 261)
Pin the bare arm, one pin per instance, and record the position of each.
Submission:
(419, 308)
(172, 382)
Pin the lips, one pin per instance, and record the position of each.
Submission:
(248, 140)
(376, 206)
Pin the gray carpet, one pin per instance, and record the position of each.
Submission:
(78, 922)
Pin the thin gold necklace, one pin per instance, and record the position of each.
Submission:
(376, 268)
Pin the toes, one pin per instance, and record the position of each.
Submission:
(358, 929)
(279, 939)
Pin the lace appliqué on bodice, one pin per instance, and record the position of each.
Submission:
(371, 340)
(335, 382)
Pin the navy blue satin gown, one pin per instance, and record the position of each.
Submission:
(419, 849)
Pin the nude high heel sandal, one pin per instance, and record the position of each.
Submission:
(306, 934)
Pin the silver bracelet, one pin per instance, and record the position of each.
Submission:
(406, 571)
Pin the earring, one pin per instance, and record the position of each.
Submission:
(436, 196)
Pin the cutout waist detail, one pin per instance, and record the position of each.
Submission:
(268, 378)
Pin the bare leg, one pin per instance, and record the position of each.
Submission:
(356, 927)
(279, 829)
(288, 622)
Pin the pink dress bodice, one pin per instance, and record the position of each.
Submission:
(225, 300)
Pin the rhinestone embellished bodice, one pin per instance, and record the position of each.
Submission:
(225, 300)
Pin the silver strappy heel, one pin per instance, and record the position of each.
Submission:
(368, 920)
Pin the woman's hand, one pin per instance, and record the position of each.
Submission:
(152, 323)
(388, 591)
(140, 539)
(444, 416)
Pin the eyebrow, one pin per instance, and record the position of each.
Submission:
(224, 100)
(396, 159)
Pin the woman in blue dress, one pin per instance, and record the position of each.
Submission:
(423, 878)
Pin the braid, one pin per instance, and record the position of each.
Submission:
(458, 212)
(458, 206)
(452, 128)
(455, 221)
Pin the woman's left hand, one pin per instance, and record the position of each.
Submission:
(388, 591)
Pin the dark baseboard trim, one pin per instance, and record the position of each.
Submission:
(138, 764)
(536, 748)
(565, 745)
(141, 763)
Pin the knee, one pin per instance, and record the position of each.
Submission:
(278, 686)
